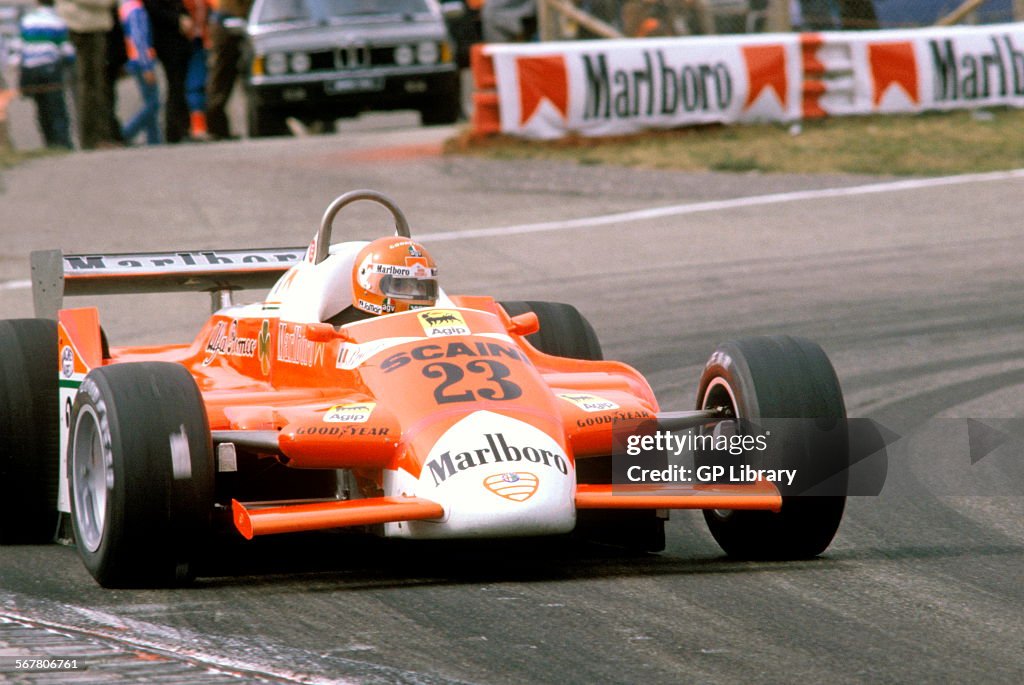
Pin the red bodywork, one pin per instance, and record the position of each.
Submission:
(375, 397)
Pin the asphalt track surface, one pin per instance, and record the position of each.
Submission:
(914, 292)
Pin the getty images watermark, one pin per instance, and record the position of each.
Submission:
(674, 445)
(821, 457)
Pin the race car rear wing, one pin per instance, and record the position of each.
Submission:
(219, 272)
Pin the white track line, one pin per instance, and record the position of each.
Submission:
(719, 205)
(695, 208)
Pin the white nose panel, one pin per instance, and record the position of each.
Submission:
(495, 477)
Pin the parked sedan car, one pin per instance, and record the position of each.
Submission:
(319, 60)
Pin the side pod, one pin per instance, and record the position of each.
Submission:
(79, 350)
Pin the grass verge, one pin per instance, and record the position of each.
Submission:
(931, 144)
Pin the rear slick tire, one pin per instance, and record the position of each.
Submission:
(29, 431)
(564, 332)
(140, 470)
(782, 377)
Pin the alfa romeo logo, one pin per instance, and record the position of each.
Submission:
(517, 486)
(67, 361)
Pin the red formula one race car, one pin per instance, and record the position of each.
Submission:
(466, 418)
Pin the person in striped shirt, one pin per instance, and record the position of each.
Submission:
(45, 52)
(138, 40)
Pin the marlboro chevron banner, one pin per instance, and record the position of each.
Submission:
(614, 87)
(599, 88)
(923, 69)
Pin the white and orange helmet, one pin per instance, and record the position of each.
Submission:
(393, 275)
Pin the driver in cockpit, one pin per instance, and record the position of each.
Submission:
(392, 274)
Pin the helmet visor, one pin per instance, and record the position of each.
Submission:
(409, 288)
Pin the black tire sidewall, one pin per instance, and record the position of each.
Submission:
(787, 378)
(29, 431)
(155, 523)
(92, 394)
(780, 377)
(564, 331)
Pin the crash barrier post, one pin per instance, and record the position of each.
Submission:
(486, 119)
(814, 73)
(829, 84)
(616, 87)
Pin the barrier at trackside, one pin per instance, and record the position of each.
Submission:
(616, 87)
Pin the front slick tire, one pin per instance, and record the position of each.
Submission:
(788, 378)
(140, 469)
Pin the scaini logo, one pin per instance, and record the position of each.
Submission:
(496, 451)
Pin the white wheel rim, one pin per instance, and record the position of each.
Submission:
(722, 514)
(91, 477)
(720, 382)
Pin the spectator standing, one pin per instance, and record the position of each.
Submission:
(509, 21)
(819, 15)
(225, 53)
(195, 75)
(858, 15)
(45, 51)
(117, 58)
(171, 23)
(138, 40)
(88, 22)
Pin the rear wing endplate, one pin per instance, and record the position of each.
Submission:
(219, 272)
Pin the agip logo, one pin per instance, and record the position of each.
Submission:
(440, 322)
(589, 403)
(355, 412)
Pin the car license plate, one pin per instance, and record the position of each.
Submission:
(354, 85)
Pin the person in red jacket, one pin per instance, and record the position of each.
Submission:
(195, 75)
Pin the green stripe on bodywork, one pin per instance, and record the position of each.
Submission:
(64, 383)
